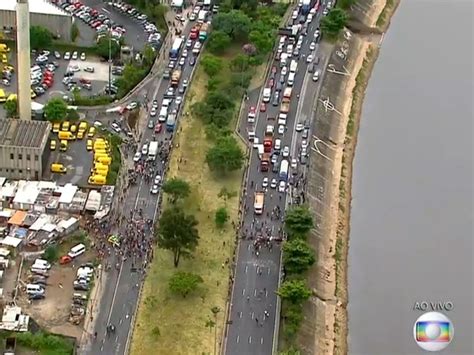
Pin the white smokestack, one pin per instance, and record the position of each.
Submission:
(23, 53)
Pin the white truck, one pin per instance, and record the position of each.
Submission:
(293, 66)
(258, 203)
(153, 150)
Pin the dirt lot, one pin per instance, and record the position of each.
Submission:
(52, 312)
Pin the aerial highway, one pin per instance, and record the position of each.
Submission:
(119, 296)
(253, 318)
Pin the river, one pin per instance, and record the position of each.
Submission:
(412, 210)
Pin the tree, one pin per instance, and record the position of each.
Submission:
(51, 253)
(297, 256)
(75, 33)
(298, 221)
(212, 65)
(177, 188)
(149, 55)
(102, 47)
(177, 232)
(11, 107)
(222, 216)
(345, 4)
(236, 24)
(263, 40)
(184, 283)
(240, 63)
(225, 156)
(56, 110)
(40, 37)
(294, 291)
(334, 22)
(218, 42)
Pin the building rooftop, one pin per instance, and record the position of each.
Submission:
(35, 7)
(22, 133)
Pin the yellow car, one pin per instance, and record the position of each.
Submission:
(33, 94)
(91, 132)
(89, 144)
(4, 59)
(56, 127)
(73, 128)
(52, 144)
(63, 146)
(80, 135)
(65, 126)
(9, 67)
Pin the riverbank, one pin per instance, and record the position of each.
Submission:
(325, 328)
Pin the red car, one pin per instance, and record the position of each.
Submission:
(271, 82)
(274, 70)
(252, 112)
(48, 83)
(158, 127)
(84, 81)
(263, 107)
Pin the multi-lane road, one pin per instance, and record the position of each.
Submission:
(119, 296)
(254, 311)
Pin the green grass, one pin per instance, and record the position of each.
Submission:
(169, 324)
(383, 17)
(42, 343)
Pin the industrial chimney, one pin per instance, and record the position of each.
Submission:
(23, 53)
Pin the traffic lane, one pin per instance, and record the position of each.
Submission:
(135, 35)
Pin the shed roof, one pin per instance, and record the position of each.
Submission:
(22, 133)
(27, 192)
(18, 218)
(35, 7)
(67, 193)
(10, 241)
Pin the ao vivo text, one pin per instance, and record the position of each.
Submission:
(434, 306)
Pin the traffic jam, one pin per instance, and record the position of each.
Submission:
(277, 163)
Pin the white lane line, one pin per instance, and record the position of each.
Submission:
(106, 11)
(261, 341)
(268, 271)
(240, 314)
(255, 292)
(238, 339)
(253, 314)
(246, 267)
(250, 339)
(243, 291)
(114, 296)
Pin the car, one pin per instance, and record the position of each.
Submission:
(265, 182)
(316, 75)
(166, 74)
(181, 89)
(57, 55)
(132, 105)
(275, 168)
(305, 134)
(171, 64)
(189, 43)
(6, 82)
(89, 69)
(154, 189)
(83, 56)
(154, 104)
(263, 107)
(178, 100)
(312, 46)
(284, 70)
(317, 33)
(282, 186)
(325, 11)
(74, 55)
(304, 144)
(276, 98)
(286, 151)
(185, 83)
(274, 158)
(89, 144)
(137, 157)
(158, 128)
(197, 47)
(294, 163)
(192, 61)
(251, 115)
(271, 82)
(273, 183)
(151, 124)
(185, 53)
(153, 111)
(52, 144)
(74, 68)
(309, 58)
(145, 149)
(67, 56)
(182, 61)
(299, 127)
(170, 92)
(157, 180)
(281, 129)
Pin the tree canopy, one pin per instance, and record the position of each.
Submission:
(184, 283)
(218, 42)
(236, 24)
(56, 110)
(298, 221)
(11, 108)
(177, 188)
(222, 216)
(225, 156)
(212, 65)
(40, 37)
(216, 109)
(177, 232)
(334, 22)
(297, 256)
(102, 47)
(294, 291)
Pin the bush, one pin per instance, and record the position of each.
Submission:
(45, 343)
(51, 253)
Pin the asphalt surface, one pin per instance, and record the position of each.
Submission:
(120, 295)
(250, 330)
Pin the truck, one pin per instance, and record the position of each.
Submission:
(202, 16)
(293, 66)
(295, 29)
(265, 162)
(203, 32)
(171, 122)
(260, 150)
(268, 140)
(284, 165)
(153, 150)
(259, 201)
(175, 76)
(194, 32)
(306, 6)
(10, 346)
(176, 47)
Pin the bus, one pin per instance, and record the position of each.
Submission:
(176, 47)
(318, 5)
(284, 170)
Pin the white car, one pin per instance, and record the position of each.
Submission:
(74, 55)
(137, 157)
(170, 92)
(294, 163)
(265, 182)
(189, 43)
(281, 129)
(182, 61)
(132, 105)
(179, 100)
(274, 183)
(74, 68)
(316, 75)
(317, 33)
(185, 83)
(185, 53)
(312, 46)
(284, 70)
(309, 58)
(304, 144)
(145, 149)
(67, 56)
(325, 12)
(116, 127)
(299, 127)
(153, 111)
(282, 186)
(57, 55)
(154, 189)
(197, 47)
(83, 56)
(157, 179)
(286, 151)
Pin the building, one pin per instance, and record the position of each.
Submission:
(22, 148)
(42, 13)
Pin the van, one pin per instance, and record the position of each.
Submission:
(293, 66)
(101, 154)
(66, 135)
(291, 79)
(77, 250)
(96, 180)
(58, 168)
(41, 264)
(4, 48)
(34, 289)
(104, 160)
(267, 93)
(3, 97)
(163, 114)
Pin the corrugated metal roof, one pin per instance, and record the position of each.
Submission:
(35, 7)
(22, 133)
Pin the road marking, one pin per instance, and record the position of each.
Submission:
(261, 341)
(243, 291)
(115, 295)
(253, 314)
(106, 11)
(101, 348)
(268, 271)
(255, 292)
(250, 339)
(120, 321)
(240, 314)
(238, 339)
(246, 267)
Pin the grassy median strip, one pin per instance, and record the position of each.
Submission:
(169, 324)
